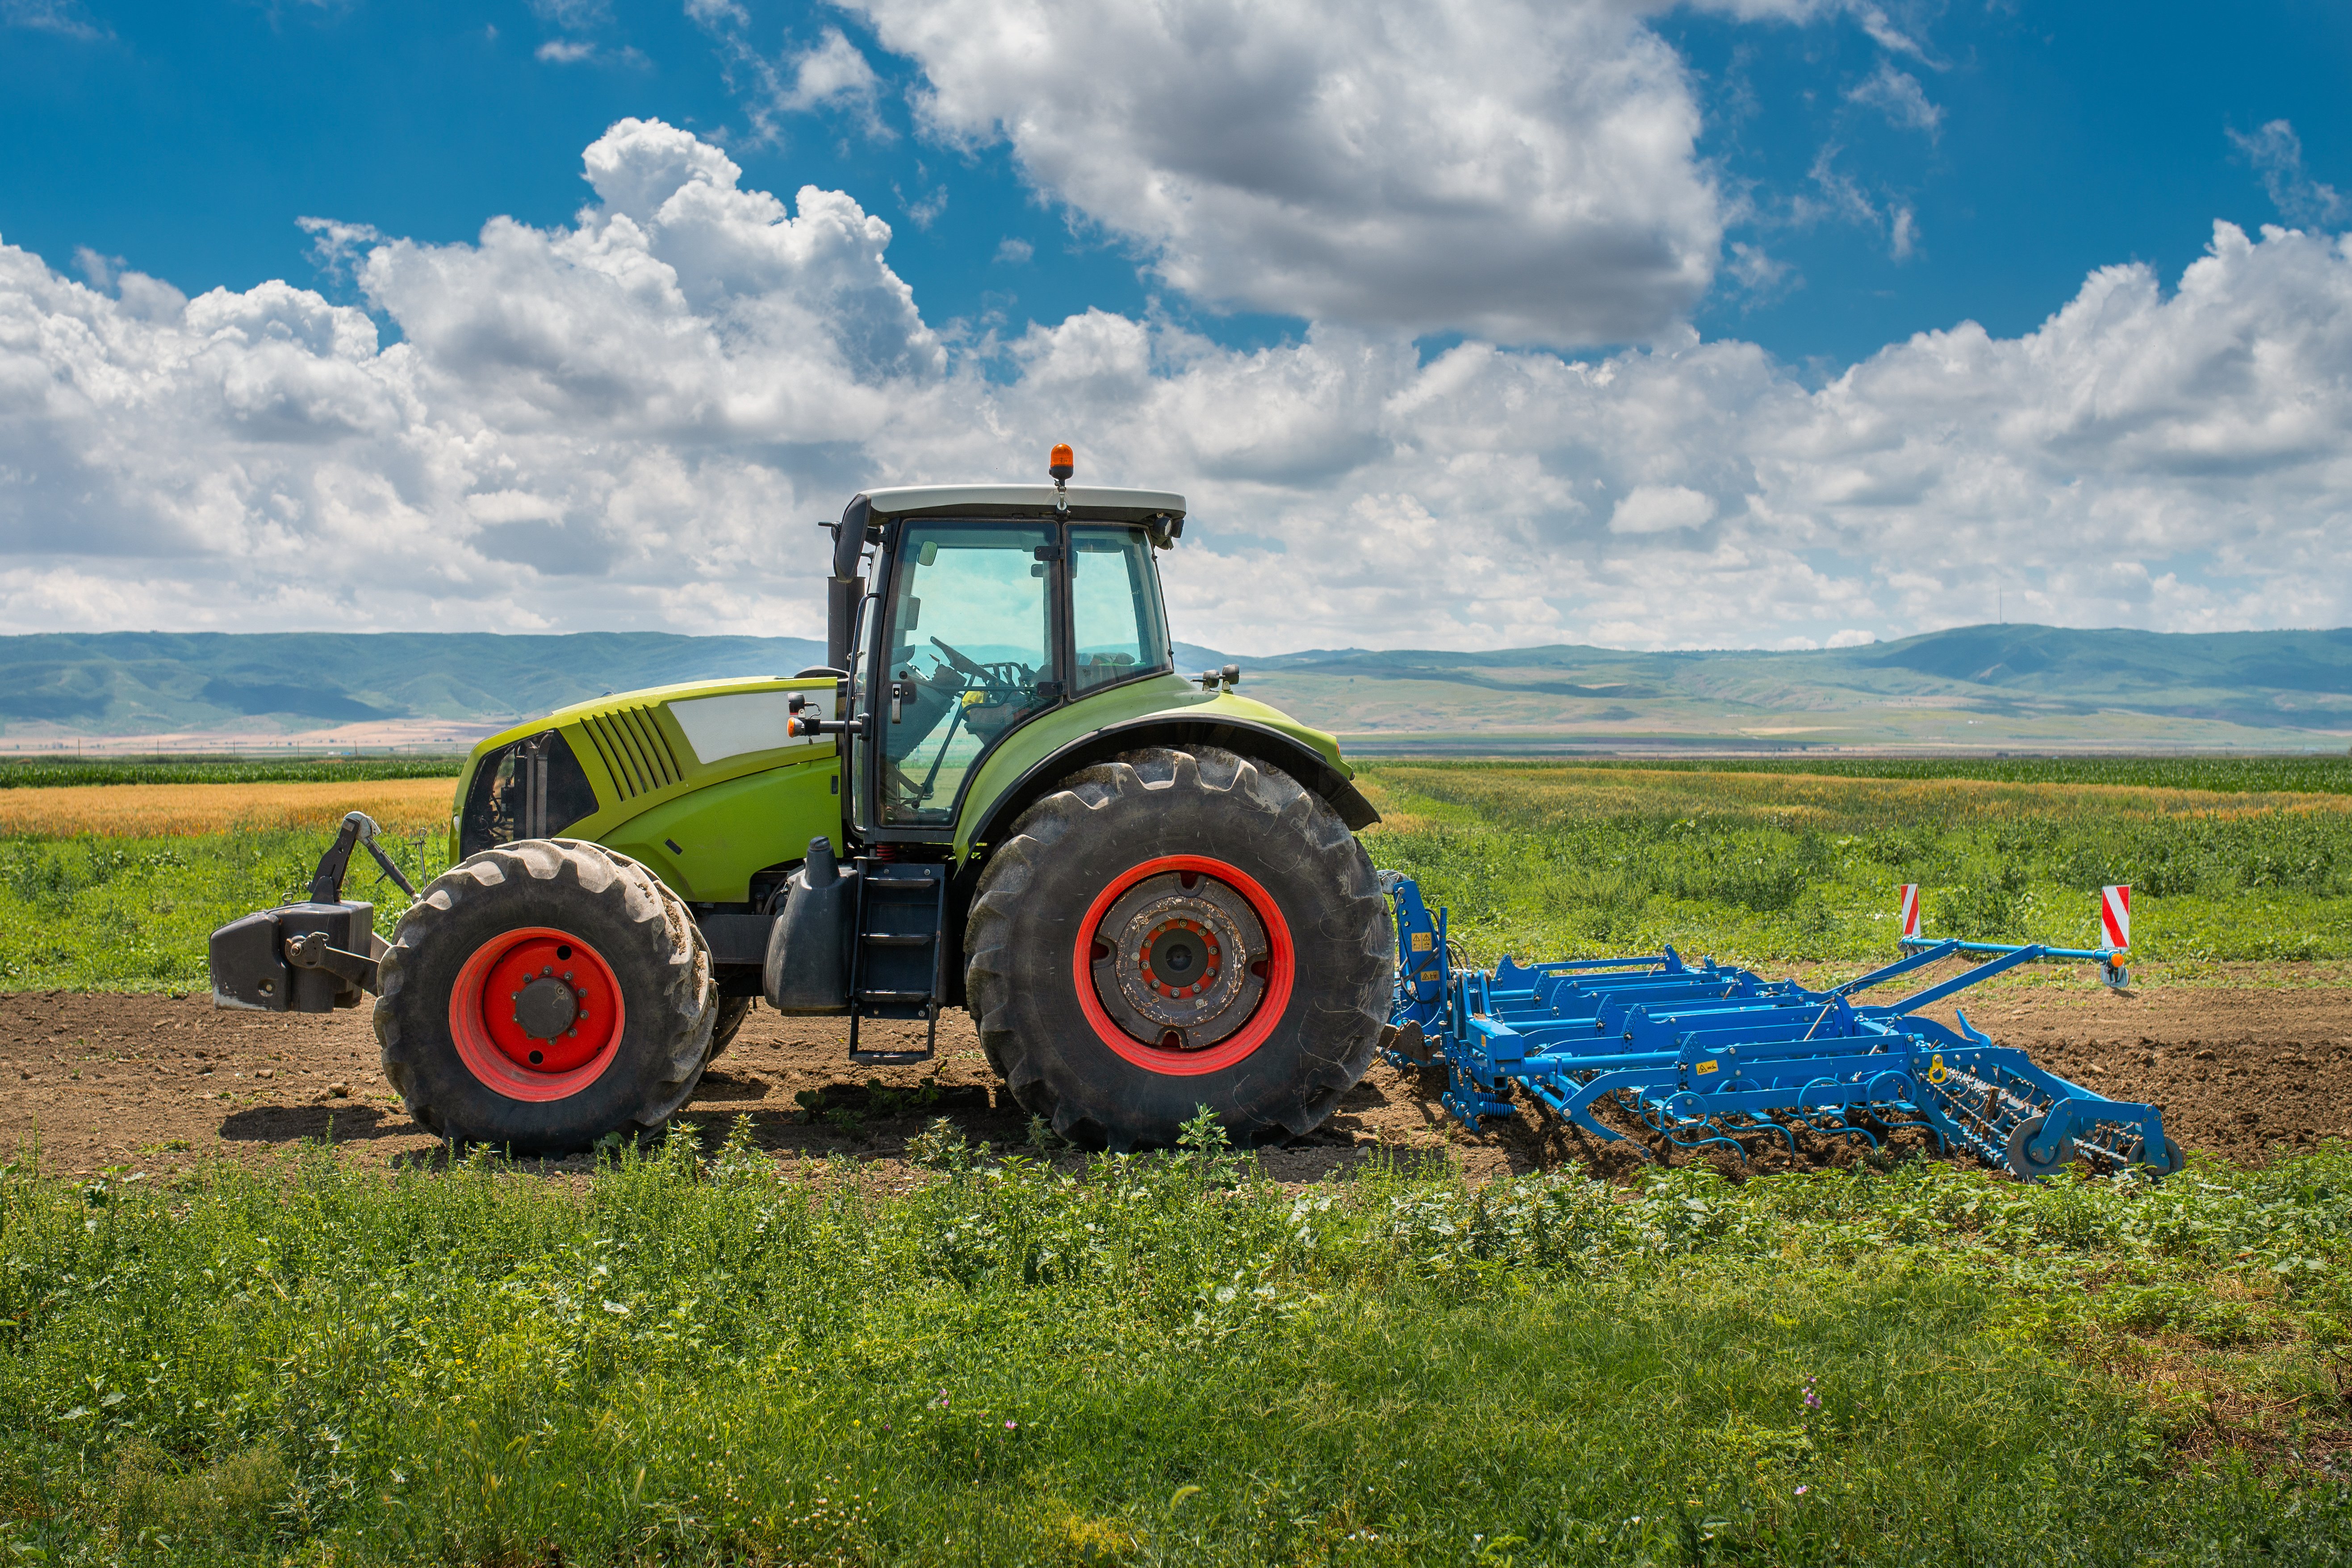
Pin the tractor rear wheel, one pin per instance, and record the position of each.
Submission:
(731, 1012)
(1178, 929)
(543, 995)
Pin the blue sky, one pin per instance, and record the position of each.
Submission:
(1617, 353)
(187, 138)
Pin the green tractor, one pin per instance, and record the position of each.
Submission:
(1000, 794)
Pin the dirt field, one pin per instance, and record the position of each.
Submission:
(156, 1083)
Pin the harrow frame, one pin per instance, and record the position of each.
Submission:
(1707, 1055)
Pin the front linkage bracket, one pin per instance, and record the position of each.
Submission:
(310, 954)
(310, 950)
(360, 828)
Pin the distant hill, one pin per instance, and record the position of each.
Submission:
(137, 683)
(2028, 688)
(2033, 687)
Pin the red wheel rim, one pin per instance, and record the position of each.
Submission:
(1280, 970)
(488, 1016)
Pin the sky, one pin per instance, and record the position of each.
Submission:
(1773, 324)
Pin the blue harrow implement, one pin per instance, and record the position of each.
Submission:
(1708, 1056)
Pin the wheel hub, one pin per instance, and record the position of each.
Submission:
(548, 1004)
(1179, 961)
(546, 1007)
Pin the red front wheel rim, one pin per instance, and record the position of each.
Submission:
(1214, 913)
(537, 1014)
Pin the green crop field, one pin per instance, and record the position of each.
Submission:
(1736, 861)
(48, 773)
(711, 1360)
(90, 914)
(1569, 859)
(2227, 775)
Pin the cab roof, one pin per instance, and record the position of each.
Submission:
(1095, 501)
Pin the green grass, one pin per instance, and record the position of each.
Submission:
(1165, 1361)
(49, 772)
(1562, 861)
(132, 914)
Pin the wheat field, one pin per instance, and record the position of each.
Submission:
(176, 810)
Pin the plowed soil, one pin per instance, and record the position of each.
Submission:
(154, 1083)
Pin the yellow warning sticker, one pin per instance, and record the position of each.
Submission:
(1705, 1066)
(1421, 941)
(1429, 975)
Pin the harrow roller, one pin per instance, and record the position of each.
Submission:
(1709, 1055)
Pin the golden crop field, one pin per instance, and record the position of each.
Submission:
(175, 810)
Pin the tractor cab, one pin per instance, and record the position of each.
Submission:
(988, 607)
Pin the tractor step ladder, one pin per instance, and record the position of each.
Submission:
(898, 966)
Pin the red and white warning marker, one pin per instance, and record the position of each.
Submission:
(2115, 916)
(2114, 924)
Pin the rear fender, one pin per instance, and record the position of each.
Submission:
(1261, 743)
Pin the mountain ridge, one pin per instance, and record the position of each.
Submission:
(2017, 684)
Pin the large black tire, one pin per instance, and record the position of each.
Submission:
(1092, 838)
(731, 1012)
(620, 913)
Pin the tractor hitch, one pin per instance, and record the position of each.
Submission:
(311, 954)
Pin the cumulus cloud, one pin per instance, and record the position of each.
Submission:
(632, 419)
(1522, 170)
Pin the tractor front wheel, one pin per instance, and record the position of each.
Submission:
(543, 995)
(1178, 929)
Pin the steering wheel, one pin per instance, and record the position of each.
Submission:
(964, 666)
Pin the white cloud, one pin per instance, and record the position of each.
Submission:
(1521, 170)
(1661, 509)
(578, 15)
(1898, 95)
(1014, 252)
(1902, 232)
(830, 74)
(565, 51)
(2276, 153)
(67, 18)
(630, 421)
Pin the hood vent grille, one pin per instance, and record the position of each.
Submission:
(634, 751)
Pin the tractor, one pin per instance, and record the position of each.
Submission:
(998, 794)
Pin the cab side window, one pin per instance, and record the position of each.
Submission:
(1116, 630)
(970, 655)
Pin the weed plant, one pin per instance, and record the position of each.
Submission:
(1166, 1359)
(1561, 861)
